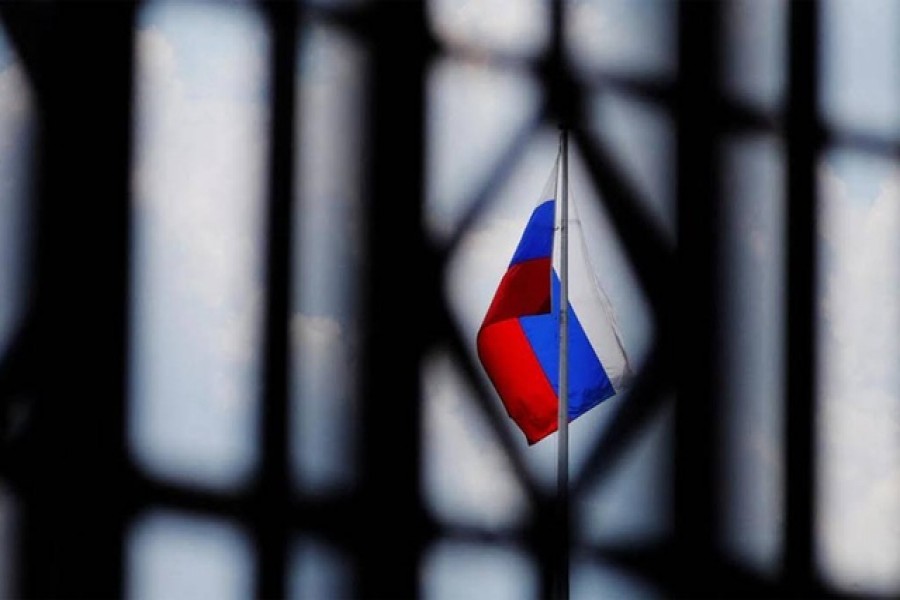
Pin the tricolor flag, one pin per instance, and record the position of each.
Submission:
(518, 341)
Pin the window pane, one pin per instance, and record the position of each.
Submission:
(473, 114)
(512, 26)
(641, 138)
(860, 81)
(319, 572)
(753, 309)
(328, 258)
(859, 384)
(633, 504)
(16, 133)
(467, 476)
(591, 579)
(754, 60)
(175, 557)
(454, 571)
(623, 36)
(199, 183)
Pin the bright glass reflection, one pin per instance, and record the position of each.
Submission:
(641, 138)
(175, 557)
(860, 81)
(199, 185)
(454, 571)
(510, 26)
(623, 36)
(859, 383)
(467, 476)
(473, 113)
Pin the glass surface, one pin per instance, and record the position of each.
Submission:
(468, 478)
(177, 557)
(859, 384)
(329, 259)
(755, 59)
(517, 27)
(319, 571)
(753, 257)
(860, 84)
(452, 571)
(640, 138)
(474, 113)
(199, 192)
(626, 37)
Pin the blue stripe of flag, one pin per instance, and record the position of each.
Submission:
(588, 383)
(537, 239)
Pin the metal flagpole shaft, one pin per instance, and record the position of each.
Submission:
(562, 477)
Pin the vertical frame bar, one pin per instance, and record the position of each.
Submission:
(273, 493)
(695, 348)
(72, 475)
(803, 140)
(401, 302)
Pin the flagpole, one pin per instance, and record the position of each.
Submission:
(562, 469)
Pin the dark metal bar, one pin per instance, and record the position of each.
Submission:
(401, 293)
(802, 143)
(71, 469)
(332, 518)
(869, 143)
(16, 366)
(273, 492)
(661, 93)
(657, 564)
(697, 498)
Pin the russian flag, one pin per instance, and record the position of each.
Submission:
(518, 341)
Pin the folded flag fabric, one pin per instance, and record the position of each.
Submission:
(518, 341)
